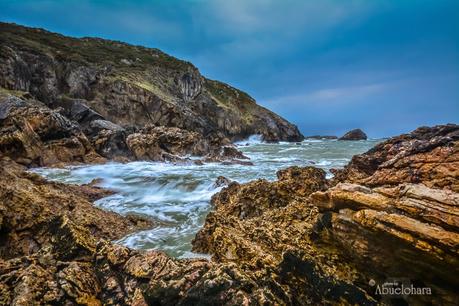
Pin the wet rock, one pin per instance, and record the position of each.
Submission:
(356, 134)
(427, 155)
(323, 244)
(161, 143)
(33, 134)
(221, 181)
(227, 155)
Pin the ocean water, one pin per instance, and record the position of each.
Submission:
(177, 197)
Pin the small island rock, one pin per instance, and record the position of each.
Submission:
(356, 134)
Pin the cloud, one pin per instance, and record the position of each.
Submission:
(318, 63)
(329, 97)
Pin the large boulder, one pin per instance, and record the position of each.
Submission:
(356, 134)
(161, 143)
(35, 135)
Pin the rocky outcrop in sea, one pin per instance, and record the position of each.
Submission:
(356, 134)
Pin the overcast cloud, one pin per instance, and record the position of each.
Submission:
(327, 66)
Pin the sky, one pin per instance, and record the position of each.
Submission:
(327, 66)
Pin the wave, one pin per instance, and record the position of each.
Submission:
(251, 140)
(177, 197)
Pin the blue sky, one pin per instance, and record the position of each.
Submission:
(328, 66)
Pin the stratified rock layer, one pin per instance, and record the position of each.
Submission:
(392, 213)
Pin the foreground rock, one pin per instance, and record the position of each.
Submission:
(30, 205)
(356, 134)
(55, 251)
(384, 218)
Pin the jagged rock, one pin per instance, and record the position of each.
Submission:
(427, 155)
(33, 134)
(77, 110)
(112, 144)
(356, 134)
(72, 264)
(27, 212)
(221, 181)
(264, 227)
(8, 104)
(227, 155)
(161, 143)
(360, 229)
(409, 231)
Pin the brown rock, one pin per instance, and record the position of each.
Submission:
(356, 134)
(35, 135)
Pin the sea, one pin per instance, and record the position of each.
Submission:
(177, 196)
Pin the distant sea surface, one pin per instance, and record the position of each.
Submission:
(177, 197)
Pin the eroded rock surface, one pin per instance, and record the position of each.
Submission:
(35, 135)
(392, 213)
(427, 155)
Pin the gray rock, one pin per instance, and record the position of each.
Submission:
(221, 181)
(99, 125)
(7, 104)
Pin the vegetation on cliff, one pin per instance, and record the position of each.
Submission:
(132, 86)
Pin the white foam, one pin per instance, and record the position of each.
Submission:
(251, 140)
(177, 197)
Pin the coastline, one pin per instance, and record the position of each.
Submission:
(380, 227)
(295, 226)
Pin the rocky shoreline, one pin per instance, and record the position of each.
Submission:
(303, 239)
(392, 212)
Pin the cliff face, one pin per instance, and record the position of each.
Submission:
(131, 86)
